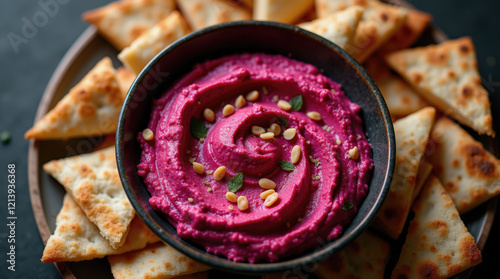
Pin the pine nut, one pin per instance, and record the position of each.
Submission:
(267, 135)
(253, 96)
(271, 199)
(295, 154)
(339, 142)
(314, 115)
(266, 183)
(275, 129)
(242, 203)
(284, 105)
(147, 134)
(257, 130)
(230, 196)
(209, 115)
(190, 200)
(227, 110)
(354, 153)
(240, 102)
(289, 133)
(219, 173)
(198, 168)
(266, 194)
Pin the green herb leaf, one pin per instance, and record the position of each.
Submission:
(5, 137)
(285, 165)
(282, 121)
(296, 103)
(235, 182)
(198, 129)
(347, 206)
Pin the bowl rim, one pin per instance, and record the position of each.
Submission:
(267, 267)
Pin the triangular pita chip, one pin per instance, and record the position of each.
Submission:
(125, 79)
(203, 13)
(92, 180)
(400, 97)
(469, 173)
(151, 42)
(121, 22)
(286, 11)
(338, 27)
(159, 261)
(77, 239)
(438, 244)
(415, 24)
(90, 108)
(412, 133)
(447, 76)
(424, 170)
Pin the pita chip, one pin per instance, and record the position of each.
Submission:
(125, 79)
(121, 22)
(338, 27)
(203, 13)
(78, 239)
(424, 170)
(92, 180)
(438, 244)
(152, 41)
(400, 97)
(469, 173)
(286, 11)
(91, 108)
(412, 134)
(155, 261)
(447, 76)
(415, 24)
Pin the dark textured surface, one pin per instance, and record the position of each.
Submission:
(24, 75)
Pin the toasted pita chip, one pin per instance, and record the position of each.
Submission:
(338, 27)
(446, 75)
(90, 108)
(412, 133)
(93, 181)
(401, 98)
(121, 22)
(78, 239)
(415, 24)
(197, 275)
(204, 13)
(286, 11)
(151, 42)
(155, 261)
(364, 257)
(325, 8)
(438, 244)
(469, 173)
(424, 170)
(125, 79)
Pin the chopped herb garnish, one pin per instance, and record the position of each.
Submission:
(347, 206)
(296, 103)
(282, 121)
(286, 165)
(235, 182)
(198, 129)
(5, 137)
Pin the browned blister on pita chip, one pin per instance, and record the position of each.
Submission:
(152, 41)
(447, 76)
(412, 134)
(155, 261)
(121, 22)
(203, 13)
(286, 11)
(91, 108)
(438, 244)
(78, 239)
(93, 181)
(400, 97)
(338, 27)
(469, 173)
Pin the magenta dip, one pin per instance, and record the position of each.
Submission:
(316, 200)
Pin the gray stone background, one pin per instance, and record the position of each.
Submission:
(25, 73)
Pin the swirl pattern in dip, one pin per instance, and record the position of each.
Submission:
(316, 199)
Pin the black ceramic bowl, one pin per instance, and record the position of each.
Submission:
(251, 36)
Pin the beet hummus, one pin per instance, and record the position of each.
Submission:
(257, 101)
